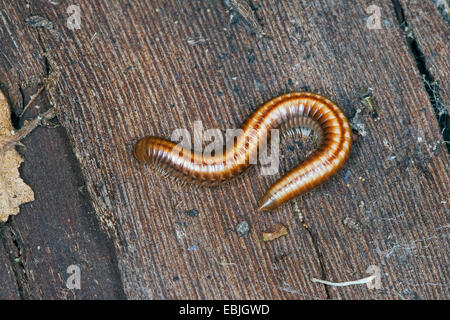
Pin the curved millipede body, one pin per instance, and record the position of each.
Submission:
(291, 111)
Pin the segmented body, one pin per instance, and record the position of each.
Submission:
(288, 112)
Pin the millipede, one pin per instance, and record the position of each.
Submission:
(289, 112)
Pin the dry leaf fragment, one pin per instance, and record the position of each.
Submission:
(13, 191)
(279, 231)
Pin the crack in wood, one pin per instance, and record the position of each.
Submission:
(317, 251)
(48, 69)
(319, 256)
(431, 85)
(16, 253)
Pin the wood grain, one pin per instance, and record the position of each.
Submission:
(148, 67)
(9, 289)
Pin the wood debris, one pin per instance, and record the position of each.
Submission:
(278, 231)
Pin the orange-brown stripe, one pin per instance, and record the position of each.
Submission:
(324, 163)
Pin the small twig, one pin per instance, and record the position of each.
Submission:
(26, 129)
(347, 283)
(32, 98)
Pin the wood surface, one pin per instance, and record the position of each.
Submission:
(432, 35)
(7, 278)
(59, 228)
(139, 68)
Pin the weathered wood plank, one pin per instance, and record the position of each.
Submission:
(9, 289)
(398, 212)
(400, 203)
(166, 253)
(131, 71)
(59, 228)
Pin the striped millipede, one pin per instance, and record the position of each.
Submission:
(286, 112)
